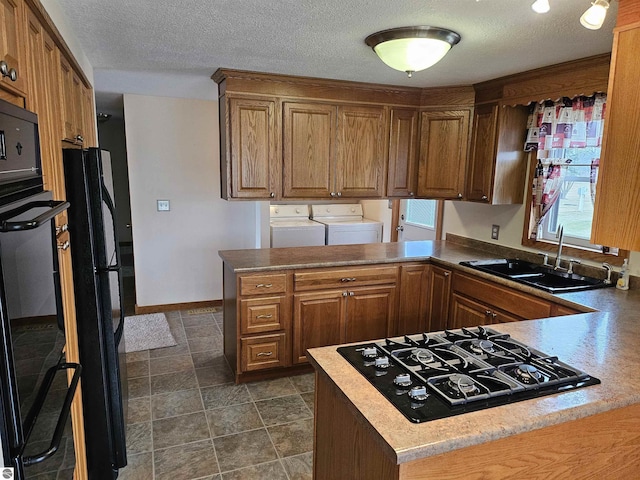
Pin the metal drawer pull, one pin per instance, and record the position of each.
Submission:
(264, 316)
(264, 285)
(63, 246)
(348, 279)
(264, 354)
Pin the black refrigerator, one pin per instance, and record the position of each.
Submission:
(99, 310)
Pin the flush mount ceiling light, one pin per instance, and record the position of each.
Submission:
(411, 49)
(592, 19)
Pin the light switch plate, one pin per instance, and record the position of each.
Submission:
(163, 205)
(495, 231)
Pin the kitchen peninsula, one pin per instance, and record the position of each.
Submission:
(587, 433)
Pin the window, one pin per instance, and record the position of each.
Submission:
(422, 213)
(565, 138)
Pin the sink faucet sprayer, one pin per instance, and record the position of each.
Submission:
(560, 237)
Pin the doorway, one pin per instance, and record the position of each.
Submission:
(419, 220)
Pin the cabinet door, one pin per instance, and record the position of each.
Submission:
(255, 164)
(309, 137)
(68, 111)
(482, 155)
(402, 178)
(412, 304)
(88, 117)
(361, 151)
(318, 320)
(466, 312)
(12, 43)
(370, 313)
(443, 153)
(439, 296)
(615, 217)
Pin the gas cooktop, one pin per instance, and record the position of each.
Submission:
(436, 375)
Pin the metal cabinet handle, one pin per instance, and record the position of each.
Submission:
(264, 285)
(79, 138)
(446, 274)
(339, 194)
(4, 68)
(13, 75)
(272, 195)
(62, 228)
(344, 294)
(348, 279)
(484, 197)
(459, 195)
(264, 354)
(487, 313)
(494, 315)
(264, 316)
(333, 194)
(351, 294)
(64, 246)
(411, 194)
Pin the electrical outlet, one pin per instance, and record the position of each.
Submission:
(495, 231)
(163, 205)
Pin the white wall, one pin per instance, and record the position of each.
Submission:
(173, 154)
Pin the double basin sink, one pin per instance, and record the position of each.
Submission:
(535, 275)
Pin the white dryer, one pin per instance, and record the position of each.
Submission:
(345, 224)
(291, 227)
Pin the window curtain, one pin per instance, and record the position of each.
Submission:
(554, 127)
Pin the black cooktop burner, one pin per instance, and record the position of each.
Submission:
(437, 375)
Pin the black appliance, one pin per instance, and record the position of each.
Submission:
(37, 384)
(98, 297)
(437, 375)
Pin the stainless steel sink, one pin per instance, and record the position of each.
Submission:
(535, 275)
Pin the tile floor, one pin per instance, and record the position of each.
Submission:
(188, 420)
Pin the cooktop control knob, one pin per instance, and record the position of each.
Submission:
(369, 352)
(402, 380)
(382, 362)
(418, 393)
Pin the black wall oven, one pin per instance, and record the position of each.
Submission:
(37, 383)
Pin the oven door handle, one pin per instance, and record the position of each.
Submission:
(35, 409)
(55, 208)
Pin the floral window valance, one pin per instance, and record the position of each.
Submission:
(553, 129)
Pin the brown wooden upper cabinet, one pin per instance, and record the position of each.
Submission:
(250, 158)
(497, 163)
(402, 178)
(333, 151)
(444, 136)
(615, 217)
(12, 45)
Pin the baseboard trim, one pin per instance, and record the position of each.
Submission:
(170, 307)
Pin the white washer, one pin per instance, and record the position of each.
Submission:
(291, 227)
(345, 224)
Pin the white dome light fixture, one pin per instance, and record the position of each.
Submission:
(594, 17)
(411, 49)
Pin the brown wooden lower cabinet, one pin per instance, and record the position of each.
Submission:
(341, 316)
(412, 302)
(318, 320)
(439, 295)
(467, 312)
(602, 446)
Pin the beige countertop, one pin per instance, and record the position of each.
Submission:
(605, 344)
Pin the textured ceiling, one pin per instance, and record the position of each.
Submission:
(325, 38)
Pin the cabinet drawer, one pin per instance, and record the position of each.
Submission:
(263, 284)
(510, 300)
(266, 351)
(264, 314)
(344, 278)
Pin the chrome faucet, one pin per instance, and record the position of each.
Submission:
(560, 237)
(608, 267)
